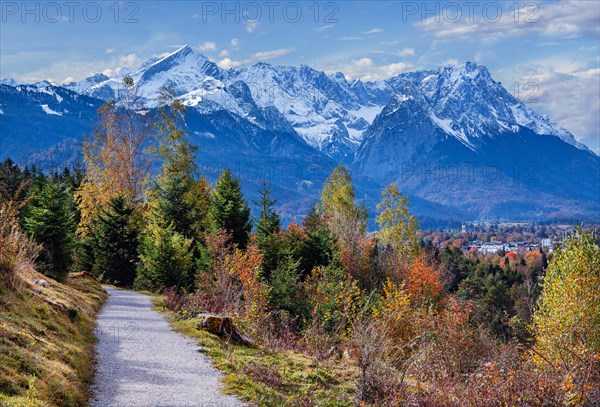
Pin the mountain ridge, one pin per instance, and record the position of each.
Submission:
(324, 108)
(304, 118)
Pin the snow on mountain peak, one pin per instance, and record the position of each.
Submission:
(467, 96)
(329, 112)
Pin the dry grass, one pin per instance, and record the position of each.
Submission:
(47, 339)
(274, 378)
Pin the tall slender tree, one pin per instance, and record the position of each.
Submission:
(339, 205)
(347, 221)
(397, 227)
(269, 220)
(229, 210)
(267, 226)
(178, 197)
(116, 243)
(178, 202)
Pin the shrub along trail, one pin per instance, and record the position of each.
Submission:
(143, 362)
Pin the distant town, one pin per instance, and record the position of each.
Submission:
(503, 238)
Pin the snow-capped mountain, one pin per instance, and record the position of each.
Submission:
(467, 103)
(328, 112)
(451, 136)
(309, 120)
(36, 120)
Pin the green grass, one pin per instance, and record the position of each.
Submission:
(268, 378)
(47, 350)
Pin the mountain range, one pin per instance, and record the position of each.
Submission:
(454, 139)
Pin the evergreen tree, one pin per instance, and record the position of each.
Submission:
(269, 221)
(489, 286)
(115, 246)
(83, 254)
(317, 250)
(166, 258)
(11, 178)
(49, 220)
(177, 220)
(544, 259)
(229, 211)
(457, 266)
(267, 226)
(178, 197)
(287, 291)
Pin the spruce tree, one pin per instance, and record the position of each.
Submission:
(287, 290)
(269, 221)
(11, 178)
(178, 196)
(177, 220)
(229, 211)
(267, 226)
(49, 220)
(115, 246)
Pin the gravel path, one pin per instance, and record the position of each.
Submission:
(142, 362)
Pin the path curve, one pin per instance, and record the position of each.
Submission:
(143, 362)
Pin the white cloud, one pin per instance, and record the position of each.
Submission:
(373, 31)
(128, 61)
(350, 38)
(163, 54)
(208, 46)
(109, 50)
(324, 27)
(565, 19)
(224, 53)
(406, 52)
(366, 69)
(227, 63)
(451, 61)
(481, 56)
(566, 91)
(77, 70)
(234, 42)
(251, 25)
(264, 55)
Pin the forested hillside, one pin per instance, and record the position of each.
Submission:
(46, 321)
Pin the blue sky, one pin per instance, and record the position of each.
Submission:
(550, 46)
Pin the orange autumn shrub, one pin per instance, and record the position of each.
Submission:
(533, 259)
(246, 266)
(423, 281)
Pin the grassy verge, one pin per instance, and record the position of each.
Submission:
(47, 340)
(266, 378)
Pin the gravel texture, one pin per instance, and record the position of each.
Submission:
(143, 362)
